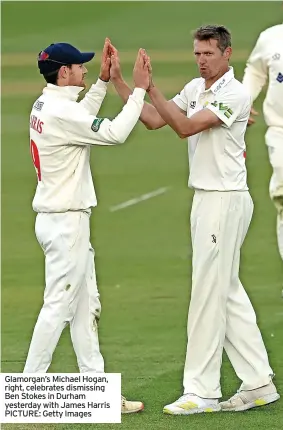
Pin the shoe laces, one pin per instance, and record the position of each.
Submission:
(185, 397)
(236, 396)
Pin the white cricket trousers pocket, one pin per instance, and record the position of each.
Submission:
(70, 295)
(220, 312)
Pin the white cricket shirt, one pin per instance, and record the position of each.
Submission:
(61, 134)
(217, 155)
(266, 62)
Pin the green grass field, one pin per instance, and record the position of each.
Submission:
(143, 253)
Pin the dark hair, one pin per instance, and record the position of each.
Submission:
(216, 32)
(51, 78)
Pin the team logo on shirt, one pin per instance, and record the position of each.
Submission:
(95, 126)
(38, 105)
(222, 107)
(193, 104)
(220, 85)
(213, 238)
(279, 78)
(276, 56)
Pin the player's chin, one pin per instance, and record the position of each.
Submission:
(204, 73)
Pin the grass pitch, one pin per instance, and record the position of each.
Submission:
(143, 253)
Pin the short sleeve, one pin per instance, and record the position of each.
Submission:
(181, 100)
(231, 106)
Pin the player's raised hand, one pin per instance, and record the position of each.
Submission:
(251, 120)
(113, 50)
(115, 68)
(105, 61)
(147, 62)
(141, 72)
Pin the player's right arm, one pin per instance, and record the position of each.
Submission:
(256, 71)
(93, 99)
(81, 128)
(149, 115)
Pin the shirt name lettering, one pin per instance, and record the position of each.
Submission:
(36, 123)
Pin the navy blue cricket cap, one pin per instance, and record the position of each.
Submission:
(60, 54)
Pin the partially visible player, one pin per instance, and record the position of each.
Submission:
(62, 132)
(266, 64)
(212, 111)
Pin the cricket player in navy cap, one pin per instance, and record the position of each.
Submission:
(62, 132)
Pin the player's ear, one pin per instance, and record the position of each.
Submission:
(63, 72)
(227, 53)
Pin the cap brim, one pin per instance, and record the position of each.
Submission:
(87, 56)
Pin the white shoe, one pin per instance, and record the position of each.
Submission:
(191, 404)
(130, 407)
(244, 400)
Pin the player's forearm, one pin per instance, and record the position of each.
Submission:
(174, 118)
(149, 116)
(122, 88)
(253, 80)
(123, 124)
(93, 99)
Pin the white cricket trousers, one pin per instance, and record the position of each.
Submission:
(220, 312)
(70, 295)
(274, 142)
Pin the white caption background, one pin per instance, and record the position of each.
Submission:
(60, 398)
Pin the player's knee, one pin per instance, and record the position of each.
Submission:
(56, 312)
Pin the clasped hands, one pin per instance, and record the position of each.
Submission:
(111, 69)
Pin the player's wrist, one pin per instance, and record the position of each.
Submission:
(144, 87)
(138, 90)
(150, 88)
(117, 79)
(104, 78)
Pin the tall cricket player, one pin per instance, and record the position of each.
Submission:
(266, 63)
(212, 112)
(62, 132)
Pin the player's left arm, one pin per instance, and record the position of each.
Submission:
(224, 109)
